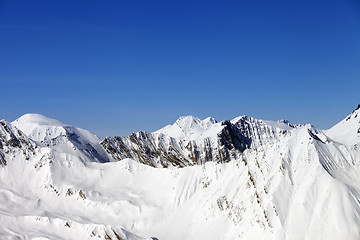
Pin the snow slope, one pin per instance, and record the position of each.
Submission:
(288, 182)
(348, 130)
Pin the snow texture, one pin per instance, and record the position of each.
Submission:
(279, 181)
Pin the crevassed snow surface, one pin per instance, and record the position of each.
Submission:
(304, 184)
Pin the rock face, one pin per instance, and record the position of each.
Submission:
(13, 142)
(192, 141)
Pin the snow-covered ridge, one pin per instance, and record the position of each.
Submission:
(191, 128)
(348, 130)
(191, 140)
(41, 128)
(61, 137)
(247, 179)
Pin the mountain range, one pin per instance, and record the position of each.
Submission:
(243, 178)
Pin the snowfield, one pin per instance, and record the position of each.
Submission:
(195, 179)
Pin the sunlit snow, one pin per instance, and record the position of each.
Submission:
(293, 182)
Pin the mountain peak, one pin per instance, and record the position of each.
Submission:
(39, 127)
(38, 119)
(240, 118)
(354, 114)
(187, 120)
(288, 123)
(358, 107)
(188, 126)
(356, 110)
(348, 130)
(191, 123)
(210, 120)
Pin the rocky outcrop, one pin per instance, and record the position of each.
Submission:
(216, 142)
(12, 142)
(148, 148)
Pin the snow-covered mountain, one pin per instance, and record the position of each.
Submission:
(192, 141)
(348, 130)
(196, 179)
(61, 137)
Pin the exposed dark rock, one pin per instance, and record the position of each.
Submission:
(156, 149)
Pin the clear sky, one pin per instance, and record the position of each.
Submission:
(115, 67)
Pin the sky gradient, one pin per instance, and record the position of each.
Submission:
(115, 67)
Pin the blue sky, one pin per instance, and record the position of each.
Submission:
(114, 67)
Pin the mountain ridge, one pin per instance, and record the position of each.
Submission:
(236, 179)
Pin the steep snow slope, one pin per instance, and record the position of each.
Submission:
(341, 157)
(289, 182)
(348, 130)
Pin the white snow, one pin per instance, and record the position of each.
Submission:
(41, 128)
(189, 128)
(290, 185)
(348, 130)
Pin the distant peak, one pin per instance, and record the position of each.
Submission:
(240, 118)
(38, 119)
(188, 118)
(188, 126)
(354, 113)
(284, 121)
(287, 122)
(210, 120)
(191, 121)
